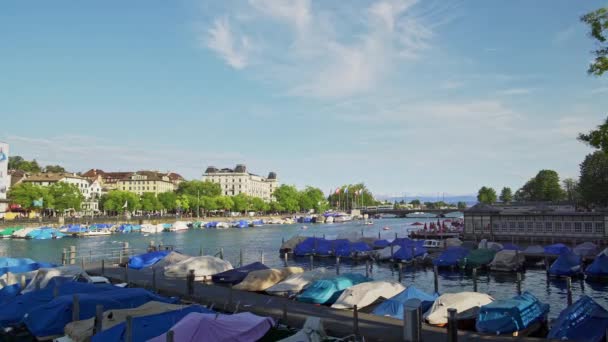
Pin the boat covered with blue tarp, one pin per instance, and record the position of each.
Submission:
(44, 233)
(507, 316)
(17, 265)
(15, 308)
(144, 328)
(393, 307)
(349, 249)
(137, 262)
(511, 247)
(327, 291)
(451, 256)
(585, 320)
(50, 319)
(556, 249)
(567, 265)
(76, 229)
(379, 244)
(313, 245)
(240, 224)
(586, 249)
(598, 268)
(236, 275)
(410, 251)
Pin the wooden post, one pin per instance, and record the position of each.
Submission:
(98, 318)
(190, 282)
(378, 235)
(452, 325)
(72, 255)
(356, 322)
(395, 235)
(262, 257)
(170, 336)
(129, 329)
(222, 253)
(103, 267)
(22, 281)
(311, 262)
(338, 265)
(518, 283)
(569, 289)
(436, 278)
(154, 279)
(285, 256)
(474, 279)
(120, 257)
(200, 253)
(75, 308)
(400, 266)
(82, 263)
(127, 274)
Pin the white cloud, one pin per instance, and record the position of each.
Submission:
(564, 35)
(323, 52)
(516, 91)
(451, 84)
(221, 39)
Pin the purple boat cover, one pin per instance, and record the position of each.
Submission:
(196, 326)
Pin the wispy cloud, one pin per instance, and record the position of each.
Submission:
(311, 51)
(564, 35)
(600, 90)
(516, 91)
(451, 84)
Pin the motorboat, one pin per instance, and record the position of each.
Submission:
(507, 261)
(567, 264)
(327, 291)
(462, 301)
(365, 294)
(261, 280)
(519, 316)
(585, 320)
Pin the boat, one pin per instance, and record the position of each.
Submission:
(433, 244)
(409, 249)
(453, 242)
(179, 226)
(566, 265)
(556, 249)
(261, 280)
(419, 214)
(586, 250)
(368, 223)
(485, 244)
(295, 283)
(17, 265)
(585, 320)
(44, 233)
(312, 331)
(243, 326)
(393, 307)
(535, 254)
(386, 228)
(598, 270)
(82, 331)
(222, 225)
(380, 244)
(289, 245)
(130, 228)
(203, 266)
(329, 219)
(22, 233)
(451, 257)
(151, 228)
(313, 246)
(326, 291)
(236, 275)
(342, 218)
(386, 253)
(507, 261)
(240, 224)
(519, 316)
(8, 232)
(365, 294)
(137, 262)
(257, 223)
(98, 232)
(74, 229)
(511, 247)
(354, 250)
(478, 258)
(50, 319)
(44, 276)
(462, 301)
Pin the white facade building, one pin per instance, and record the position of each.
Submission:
(46, 179)
(238, 180)
(5, 178)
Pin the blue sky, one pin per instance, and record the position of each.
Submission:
(410, 97)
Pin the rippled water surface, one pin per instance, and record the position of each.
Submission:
(266, 240)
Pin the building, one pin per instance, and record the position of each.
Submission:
(530, 222)
(48, 178)
(107, 180)
(5, 178)
(238, 180)
(146, 181)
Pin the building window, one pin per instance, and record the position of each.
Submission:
(589, 227)
(599, 227)
(521, 226)
(567, 227)
(578, 227)
(538, 227)
(548, 227)
(512, 226)
(557, 226)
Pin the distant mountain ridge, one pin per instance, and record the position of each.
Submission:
(468, 199)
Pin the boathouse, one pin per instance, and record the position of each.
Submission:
(529, 222)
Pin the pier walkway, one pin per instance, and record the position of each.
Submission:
(337, 323)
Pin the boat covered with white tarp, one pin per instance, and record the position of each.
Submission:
(263, 279)
(203, 266)
(462, 301)
(507, 261)
(295, 283)
(365, 294)
(44, 275)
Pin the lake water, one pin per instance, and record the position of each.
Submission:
(267, 239)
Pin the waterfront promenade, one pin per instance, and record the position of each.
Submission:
(338, 323)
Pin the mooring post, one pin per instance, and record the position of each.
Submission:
(64, 256)
(311, 262)
(200, 253)
(400, 266)
(366, 269)
(285, 256)
(395, 235)
(170, 336)
(338, 265)
(412, 321)
(154, 279)
(262, 257)
(546, 261)
(222, 253)
(285, 313)
(569, 289)
(474, 279)
(75, 308)
(22, 281)
(190, 282)
(125, 247)
(356, 322)
(436, 278)
(103, 267)
(82, 265)
(129, 329)
(72, 255)
(282, 240)
(378, 235)
(452, 325)
(518, 283)
(230, 296)
(55, 291)
(241, 257)
(120, 257)
(98, 318)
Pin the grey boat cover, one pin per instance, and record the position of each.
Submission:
(586, 249)
(312, 331)
(507, 260)
(535, 249)
(462, 301)
(295, 283)
(203, 266)
(264, 279)
(44, 275)
(365, 294)
(385, 253)
(453, 242)
(293, 242)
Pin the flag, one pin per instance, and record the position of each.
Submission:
(345, 190)
(125, 205)
(337, 191)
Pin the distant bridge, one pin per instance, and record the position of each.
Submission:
(404, 212)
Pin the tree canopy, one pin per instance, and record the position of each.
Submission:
(28, 195)
(288, 198)
(199, 188)
(544, 187)
(18, 163)
(597, 138)
(352, 196)
(506, 195)
(486, 195)
(115, 201)
(598, 22)
(593, 183)
(65, 196)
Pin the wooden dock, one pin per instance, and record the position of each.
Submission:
(337, 323)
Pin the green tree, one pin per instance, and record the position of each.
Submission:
(54, 169)
(486, 195)
(65, 196)
(258, 205)
(241, 202)
(593, 183)
(462, 205)
(312, 198)
(209, 203)
(199, 188)
(571, 189)
(25, 194)
(149, 202)
(115, 200)
(224, 203)
(415, 202)
(183, 202)
(598, 22)
(544, 187)
(506, 195)
(18, 163)
(288, 198)
(429, 205)
(168, 200)
(357, 195)
(597, 138)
